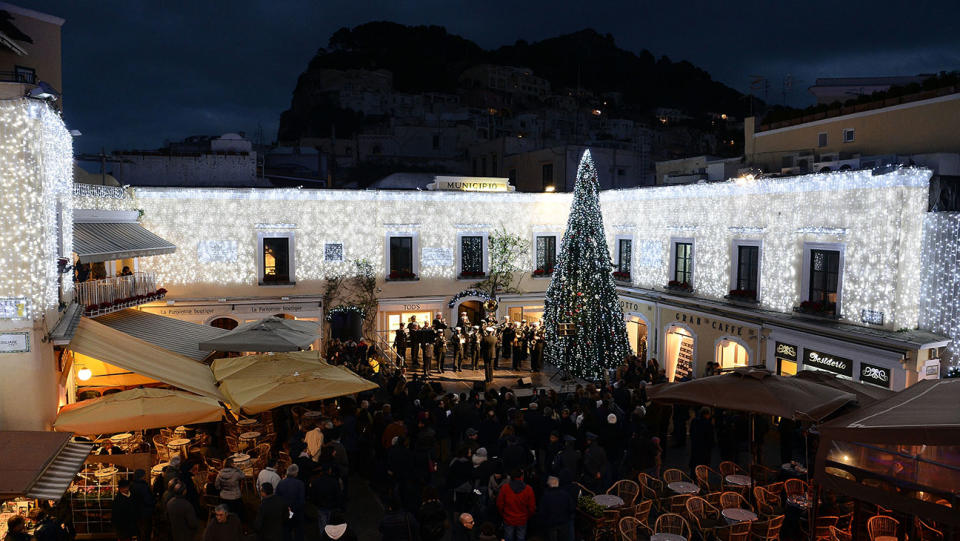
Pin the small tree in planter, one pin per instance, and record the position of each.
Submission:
(506, 252)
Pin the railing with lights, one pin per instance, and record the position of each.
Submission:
(98, 190)
(100, 297)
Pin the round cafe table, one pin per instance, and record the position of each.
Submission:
(179, 445)
(739, 480)
(667, 537)
(735, 515)
(249, 439)
(312, 414)
(608, 500)
(248, 422)
(800, 501)
(793, 470)
(157, 470)
(122, 441)
(683, 487)
(240, 460)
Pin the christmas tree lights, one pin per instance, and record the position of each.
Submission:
(585, 331)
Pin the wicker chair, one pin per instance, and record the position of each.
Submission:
(822, 525)
(734, 499)
(215, 464)
(795, 487)
(731, 468)
(626, 489)
(775, 488)
(166, 434)
(836, 534)
(767, 530)
(582, 489)
(713, 498)
(163, 453)
(652, 483)
(763, 475)
(734, 532)
(768, 504)
(676, 504)
(882, 526)
(674, 475)
(704, 516)
(631, 529)
(704, 473)
(607, 524)
(642, 511)
(927, 532)
(232, 444)
(845, 522)
(263, 450)
(672, 523)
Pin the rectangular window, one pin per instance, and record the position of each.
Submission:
(848, 135)
(748, 268)
(401, 257)
(683, 262)
(436, 142)
(624, 256)
(824, 278)
(546, 174)
(25, 75)
(471, 255)
(546, 254)
(276, 260)
(822, 139)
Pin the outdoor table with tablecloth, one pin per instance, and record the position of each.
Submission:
(683, 487)
(735, 515)
(608, 500)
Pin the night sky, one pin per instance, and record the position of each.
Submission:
(137, 73)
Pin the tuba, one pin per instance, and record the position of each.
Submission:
(490, 305)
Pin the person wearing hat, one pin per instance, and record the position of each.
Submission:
(400, 344)
(557, 510)
(488, 350)
(473, 341)
(427, 338)
(456, 348)
(463, 322)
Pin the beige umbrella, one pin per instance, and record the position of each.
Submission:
(137, 409)
(258, 383)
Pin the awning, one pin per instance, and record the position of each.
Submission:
(137, 409)
(269, 334)
(174, 335)
(125, 351)
(107, 241)
(65, 329)
(39, 464)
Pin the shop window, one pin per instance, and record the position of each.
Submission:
(400, 260)
(731, 354)
(678, 354)
(824, 264)
(637, 335)
(546, 254)
(472, 258)
(682, 263)
(276, 259)
(529, 314)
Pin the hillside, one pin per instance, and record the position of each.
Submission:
(428, 58)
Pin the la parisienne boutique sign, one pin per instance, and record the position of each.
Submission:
(830, 363)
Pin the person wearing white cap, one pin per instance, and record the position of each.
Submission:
(456, 348)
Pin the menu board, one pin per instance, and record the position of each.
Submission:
(684, 359)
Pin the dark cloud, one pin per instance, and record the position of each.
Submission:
(138, 73)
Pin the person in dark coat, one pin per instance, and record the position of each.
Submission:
(146, 502)
(457, 343)
(223, 525)
(181, 514)
(488, 349)
(324, 493)
(397, 524)
(293, 492)
(126, 511)
(432, 517)
(400, 345)
(557, 510)
(464, 529)
(272, 514)
(594, 463)
(701, 439)
(427, 337)
(16, 529)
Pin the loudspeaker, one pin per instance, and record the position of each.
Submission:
(525, 382)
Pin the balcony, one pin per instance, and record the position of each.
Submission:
(100, 297)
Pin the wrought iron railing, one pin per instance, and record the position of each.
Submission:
(98, 190)
(112, 294)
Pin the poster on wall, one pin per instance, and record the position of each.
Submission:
(684, 360)
(830, 363)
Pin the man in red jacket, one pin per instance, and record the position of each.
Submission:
(516, 504)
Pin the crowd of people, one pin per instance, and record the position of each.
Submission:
(487, 343)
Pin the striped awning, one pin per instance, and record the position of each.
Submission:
(171, 334)
(94, 242)
(39, 465)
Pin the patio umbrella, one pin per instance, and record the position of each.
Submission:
(757, 390)
(258, 383)
(866, 394)
(137, 409)
(270, 334)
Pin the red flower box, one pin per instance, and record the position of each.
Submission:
(622, 276)
(401, 275)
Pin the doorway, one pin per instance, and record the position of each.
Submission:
(225, 323)
(731, 354)
(637, 334)
(474, 310)
(678, 353)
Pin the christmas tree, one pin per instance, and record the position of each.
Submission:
(585, 331)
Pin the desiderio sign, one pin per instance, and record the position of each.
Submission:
(830, 363)
(471, 184)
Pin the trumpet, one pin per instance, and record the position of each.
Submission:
(490, 305)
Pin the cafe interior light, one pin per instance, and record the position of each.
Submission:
(84, 374)
(550, 189)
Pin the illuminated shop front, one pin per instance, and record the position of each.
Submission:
(640, 317)
(692, 338)
(528, 307)
(392, 312)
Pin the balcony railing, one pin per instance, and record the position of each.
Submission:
(111, 294)
(24, 77)
(97, 190)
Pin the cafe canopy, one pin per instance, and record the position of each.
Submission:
(269, 334)
(901, 452)
(137, 409)
(257, 383)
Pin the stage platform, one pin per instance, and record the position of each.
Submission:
(461, 382)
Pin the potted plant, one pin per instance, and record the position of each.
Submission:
(682, 287)
(742, 295)
(401, 275)
(817, 308)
